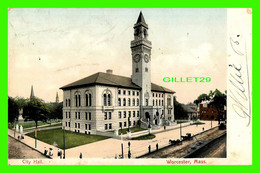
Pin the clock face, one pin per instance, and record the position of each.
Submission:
(146, 58)
(137, 58)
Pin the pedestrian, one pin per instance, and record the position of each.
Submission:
(157, 147)
(164, 127)
(80, 155)
(149, 148)
(203, 129)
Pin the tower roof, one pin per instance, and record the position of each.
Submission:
(140, 18)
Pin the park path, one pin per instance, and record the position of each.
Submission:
(111, 147)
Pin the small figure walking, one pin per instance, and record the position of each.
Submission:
(203, 129)
(149, 148)
(157, 147)
(164, 127)
(80, 155)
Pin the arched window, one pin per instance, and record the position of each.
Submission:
(86, 99)
(107, 98)
(169, 100)
(77, 99)
(90, 100)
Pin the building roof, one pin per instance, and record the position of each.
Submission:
(189, 109)
(108, 79)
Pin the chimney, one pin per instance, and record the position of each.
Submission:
(109, 71)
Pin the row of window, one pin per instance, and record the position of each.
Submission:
(78, 115)
(135, 102)
(135, 113)
(109, 125)
(157, 102)
(129, 92)
(77, 125)
(88, 100)
(157, 95)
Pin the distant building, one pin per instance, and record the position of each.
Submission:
(208, 112)
(32, 93)
(191, 110)
(104, 101)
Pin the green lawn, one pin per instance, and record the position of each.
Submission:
(145, 137)
(133, 129)
(72, 139)
(179, 122)
(30, 124)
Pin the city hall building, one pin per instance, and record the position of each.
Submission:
(105, 101)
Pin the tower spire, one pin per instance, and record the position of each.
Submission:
(57, 97)
(32, 93)
(140, 18)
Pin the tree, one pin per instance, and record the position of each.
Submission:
(21, 102)
(35, 110)
(13, 110)
(55, 110)
(179, 111)
(216, 99)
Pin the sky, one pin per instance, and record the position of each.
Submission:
(50, 48)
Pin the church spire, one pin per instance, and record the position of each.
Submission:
(140, 18)
(32, 93)
(57, 97)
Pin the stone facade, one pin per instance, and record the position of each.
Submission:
(105, 102)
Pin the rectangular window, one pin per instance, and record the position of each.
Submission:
(130, 123)
(89, 126)
(125, 124)
(86, 115)
(69, 114)
(110, 126)
(119, 114)
(66, 124)
(89, 118)
(86, 126)
(79, 115)
(146, 102)
(137, 93)
(66, 115)
(137, 113)
(133, 113)
(119, 91)
(120, 124)
(129, 113)
(124, 114)
(124, 92)
(75, 125)
(110, 115)
(105, 116)
(129, 93)
(105, 126)
(133, 93)
(69, 124)
(79, 125)
(76, 115)
(134, 123)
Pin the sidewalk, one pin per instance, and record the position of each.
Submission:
(31, 142)
(111, 147)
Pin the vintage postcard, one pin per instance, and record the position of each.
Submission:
(130, 86)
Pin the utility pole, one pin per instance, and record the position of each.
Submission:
(63, 142)
(180, 131)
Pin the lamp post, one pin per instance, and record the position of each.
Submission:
(35, 136)
(122, 145)
(180, 131)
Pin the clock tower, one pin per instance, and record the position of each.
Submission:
(141, 60)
